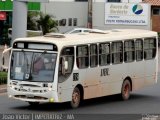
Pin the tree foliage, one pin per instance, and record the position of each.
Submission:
(47, 23)
(40, 21)
(31, 20)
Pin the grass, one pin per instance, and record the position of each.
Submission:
(3, 78)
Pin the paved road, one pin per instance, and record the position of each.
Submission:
(142, 102)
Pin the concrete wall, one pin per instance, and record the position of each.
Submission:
(79, 10)
(66, 10)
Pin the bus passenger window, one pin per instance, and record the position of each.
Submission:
(93, 55)
(139, 49)
(104, 54)
(67, 56)
(129, 51)
(82, 56)
(117, 52)
(149, 48)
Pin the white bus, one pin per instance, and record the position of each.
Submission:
(74, 67)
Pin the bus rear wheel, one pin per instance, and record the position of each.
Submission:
(126, 89)
(76, 98)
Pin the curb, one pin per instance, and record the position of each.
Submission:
(3, 88)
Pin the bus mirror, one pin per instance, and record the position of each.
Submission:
(5, 56)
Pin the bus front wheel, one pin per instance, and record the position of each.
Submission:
(126, 89)
(76, 98)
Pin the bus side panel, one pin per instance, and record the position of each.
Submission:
(150, 72)
(65, 90)
(112, 83)
(137, 74)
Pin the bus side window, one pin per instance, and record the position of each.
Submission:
(82, 57)
(139, 49)
(129, 49)
(117, 52)
(104, 54)
(67, 55)
(93, 55)
(149, 48)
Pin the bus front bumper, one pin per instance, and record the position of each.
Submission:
(47, 96)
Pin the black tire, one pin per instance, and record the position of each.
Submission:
(76, 98)
(33, 103)
(126, 89)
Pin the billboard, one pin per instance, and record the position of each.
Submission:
(7, 5)
(127, 13)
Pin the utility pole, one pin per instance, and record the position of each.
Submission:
(90, 6)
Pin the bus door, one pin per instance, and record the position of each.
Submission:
(65, 73)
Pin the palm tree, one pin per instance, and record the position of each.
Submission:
(47, 24)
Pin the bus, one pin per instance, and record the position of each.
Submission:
(73, 67)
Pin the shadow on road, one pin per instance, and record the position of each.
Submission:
(108, 100)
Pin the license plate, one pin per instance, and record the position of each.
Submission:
(30, 96)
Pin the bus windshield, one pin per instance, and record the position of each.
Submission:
(32, 66)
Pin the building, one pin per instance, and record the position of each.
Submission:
(76, 13)
(155, 14)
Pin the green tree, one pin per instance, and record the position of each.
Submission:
(47, 23)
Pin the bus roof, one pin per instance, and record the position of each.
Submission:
(75, 39)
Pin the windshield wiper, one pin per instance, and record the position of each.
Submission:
(33, 59)
(44, 52)
(27, 76)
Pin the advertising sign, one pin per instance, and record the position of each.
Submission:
(7, 5)
(126, 13)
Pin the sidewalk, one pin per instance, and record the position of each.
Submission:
(3, 88)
